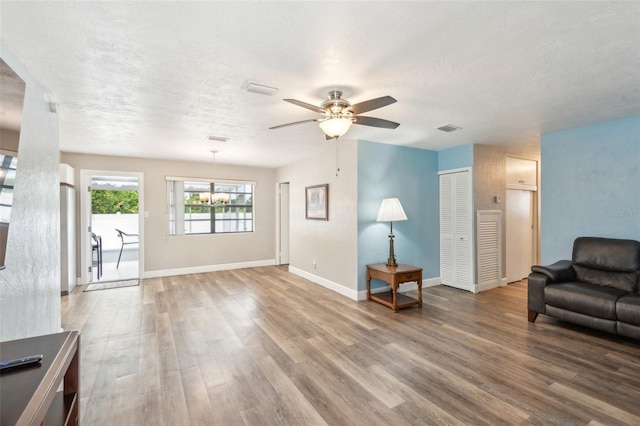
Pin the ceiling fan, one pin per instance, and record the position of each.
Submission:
(339, 114)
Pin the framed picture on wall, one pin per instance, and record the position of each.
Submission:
(317, 202)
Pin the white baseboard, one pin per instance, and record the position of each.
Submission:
(207, 268)
(483, 287)
(338, 288)
(333, 286)
(428, 282)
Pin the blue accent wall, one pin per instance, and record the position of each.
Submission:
(590, 185)
(410, 174)
(455, 158)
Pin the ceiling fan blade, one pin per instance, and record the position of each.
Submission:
(305, 105)
(375, 122)
(372, 104)
(294, 123)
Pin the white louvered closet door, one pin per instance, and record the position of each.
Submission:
(456, 230)
(447, 231)
(489, 251)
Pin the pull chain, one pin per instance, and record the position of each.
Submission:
(337, 157)
(214, 152)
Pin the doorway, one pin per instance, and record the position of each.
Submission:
(110, 206)
(520, 234)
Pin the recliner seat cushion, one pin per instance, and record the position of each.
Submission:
(628, 330)
(628, 309)
(588, 299)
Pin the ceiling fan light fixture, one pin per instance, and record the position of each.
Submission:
(335, 127)
(339, 114)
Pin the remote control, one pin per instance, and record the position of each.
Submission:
(20, 362)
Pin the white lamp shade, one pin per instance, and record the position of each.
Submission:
(391, 211)
(335, 127)
(221, 198)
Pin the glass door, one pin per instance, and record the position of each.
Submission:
(112, 249)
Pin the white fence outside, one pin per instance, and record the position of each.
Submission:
(105, 226)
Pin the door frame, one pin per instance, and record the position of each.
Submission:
(283, 224)
(85, 215)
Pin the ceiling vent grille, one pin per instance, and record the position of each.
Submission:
(449, 128)
(217, 138)
(261, 89)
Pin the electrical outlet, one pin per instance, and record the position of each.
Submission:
(314, 264)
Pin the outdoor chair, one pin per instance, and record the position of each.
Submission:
(126, 240)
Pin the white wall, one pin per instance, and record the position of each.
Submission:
(30, 285)
(333, 243)
(172, 255)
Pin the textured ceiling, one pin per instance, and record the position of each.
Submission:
(154, 79)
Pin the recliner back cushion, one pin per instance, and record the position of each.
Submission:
(607, 261)
(627, 281)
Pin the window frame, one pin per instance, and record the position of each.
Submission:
(180, 225)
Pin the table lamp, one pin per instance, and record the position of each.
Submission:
(390, 211)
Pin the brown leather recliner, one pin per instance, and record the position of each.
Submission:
(598, 288)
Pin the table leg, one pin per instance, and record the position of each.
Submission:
(420, 292)
(368, 286)
(394, 292)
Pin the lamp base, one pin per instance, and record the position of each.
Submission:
(392, 257)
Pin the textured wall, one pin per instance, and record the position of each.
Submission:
(590, 185)
(411, 175)
(30, 285)
(490, 180)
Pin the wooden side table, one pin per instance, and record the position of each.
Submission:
(394, 275)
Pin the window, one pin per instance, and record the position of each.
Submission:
(7, 180)
(199, 206)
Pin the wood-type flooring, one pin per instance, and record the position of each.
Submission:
(261, 346)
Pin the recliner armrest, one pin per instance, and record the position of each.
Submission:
(561, 271)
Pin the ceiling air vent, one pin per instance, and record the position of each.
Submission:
(217, 138)
(261, 89)
(449, 128)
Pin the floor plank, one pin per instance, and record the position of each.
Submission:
(261, 346)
